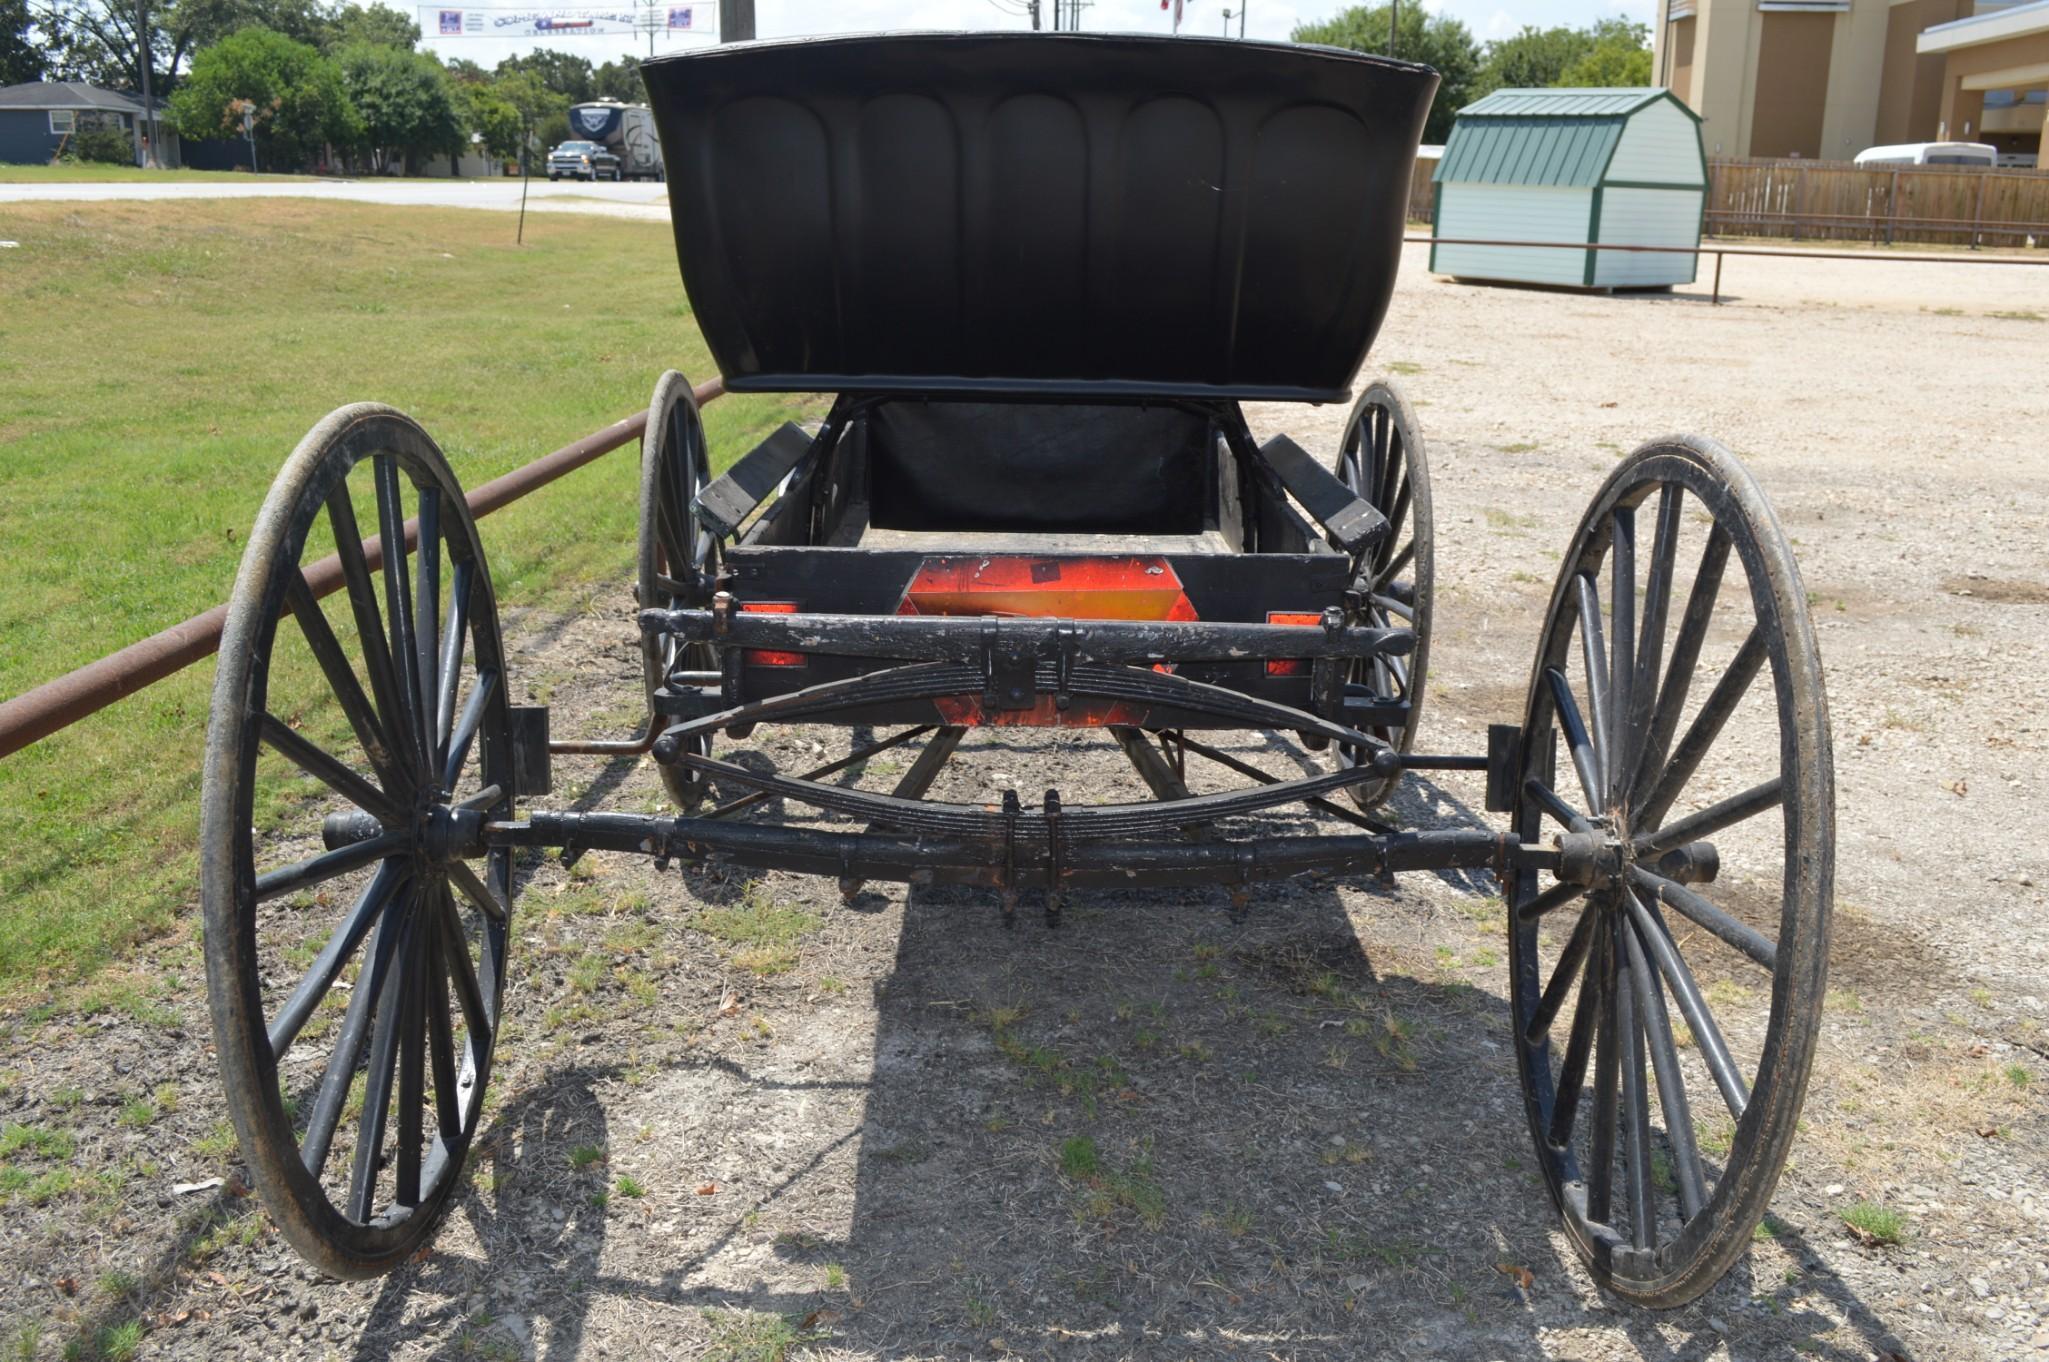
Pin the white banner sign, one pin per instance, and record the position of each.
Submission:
(467, 22)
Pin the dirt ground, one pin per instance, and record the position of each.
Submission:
(1305, 1133)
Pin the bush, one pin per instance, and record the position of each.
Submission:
(107, 146)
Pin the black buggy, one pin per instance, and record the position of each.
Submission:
(1038, 276)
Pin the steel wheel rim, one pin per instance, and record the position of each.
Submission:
(1381, 458)
(405, 930)
(1716, 1228)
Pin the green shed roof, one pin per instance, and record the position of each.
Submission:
(1564, 138)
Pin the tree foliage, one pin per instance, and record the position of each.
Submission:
(620, 80)
(1619, 56)
(566, 74)
(1613, 52)
(404, 104)
(377, 24)
(297, 94)
(1434, 39)
(21, 57)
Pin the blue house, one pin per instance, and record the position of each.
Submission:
(39, 117)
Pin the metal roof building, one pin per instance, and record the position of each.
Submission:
(1574, 166)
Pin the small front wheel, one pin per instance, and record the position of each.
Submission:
(356, 960)
(679, 557)
(1381, 458)
(1676, 742)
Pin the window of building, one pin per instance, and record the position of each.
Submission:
(63, 120)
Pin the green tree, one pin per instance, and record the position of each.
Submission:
(483, 110)
(374, 23)
(566, 74)
(404, 102)
(538, 107)
(296, 95)
(466, 72)
(1436, 40)
(1532, 58)
(1618, 54)
(620, 80)
(21, 57)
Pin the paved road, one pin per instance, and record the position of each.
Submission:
(630, 200)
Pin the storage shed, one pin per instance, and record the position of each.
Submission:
(1577, 166)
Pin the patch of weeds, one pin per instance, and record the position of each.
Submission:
(586, 973)
(1196, 1052)
(584, 1155)
(1726, 993)
(835, 1277)
(234, 1231)
(981, 1311)
(1771, 1227)
(1715, 1137)
(1237, 1221)
(1875, 1224)
(16, 1138)
(1079, 1158)
(1518, 447)
(1344, 1151)
(631, 1187)
(1145, 1038)
(2018, 1075)
(1842, 1000)
(1404, 367)
(67, 1098)
(745, 1336)
(120, 1343)
(1395, 1041)
(832, 986)
(1109, 1189)
(138, 1112)
(1661, 1172)
(760, 935)
(2019, 316)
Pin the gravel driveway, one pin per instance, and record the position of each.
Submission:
(1304, 1137)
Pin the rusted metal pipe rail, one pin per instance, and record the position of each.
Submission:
(1719, 251)
(57, 704)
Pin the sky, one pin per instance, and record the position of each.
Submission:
(1273, 19)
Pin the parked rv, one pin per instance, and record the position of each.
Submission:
(1931, 154)
(627, 131)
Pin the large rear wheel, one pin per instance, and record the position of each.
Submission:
(1667, 980)
(356, 961)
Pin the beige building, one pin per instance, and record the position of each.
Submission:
(1828, 78)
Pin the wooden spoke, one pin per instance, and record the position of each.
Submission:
(1622, 641)
(412, 1062)
(440, 1031)
(466, 732)
(1569, 962)
(456, 960)
(1575, 734)
(1657, 603)
(1715, 817)
(1607, 1076)
(398, 604)
(1552, 899)
(1572, 1069)
(1594, 656)
(333, 1091)
(451, 657)
(1693, 626)
(341, 680)
(1657, 1033)
(473, 889)
(328, 769)
(384, 686)
(1398, 511)
(1636, 1107)
(1704, 913)
(1384, 579)
(427, 615)
(370, 904)
(1547, 799)
(482, 799)
(1707, 1037)
(1706, 727)
(1399, 609)
(324, 867)
(384, 1038)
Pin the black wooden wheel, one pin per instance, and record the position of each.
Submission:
(1680, 694)
(1383, 461)
(679, 557)
(355, 990)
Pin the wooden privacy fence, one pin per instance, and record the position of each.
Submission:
(1836, 201)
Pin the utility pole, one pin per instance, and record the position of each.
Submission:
(1035, 15)
(736, 21)
(1241, 18)
(1227, 23)
(1394, 12)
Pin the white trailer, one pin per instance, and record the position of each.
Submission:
(626, 130)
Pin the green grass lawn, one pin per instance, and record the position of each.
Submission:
(93, 173)
(157, 364)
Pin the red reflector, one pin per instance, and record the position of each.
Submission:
(1290, 666)
(770, 657)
